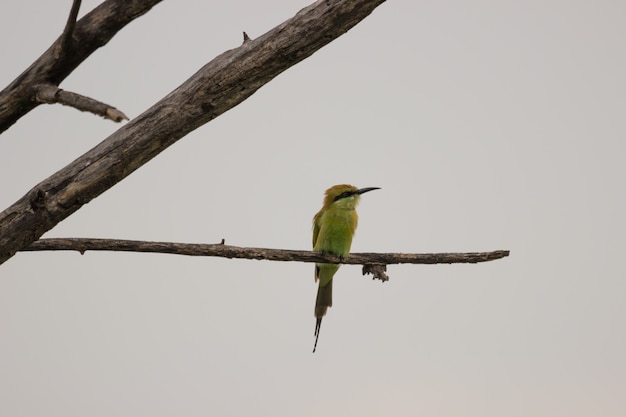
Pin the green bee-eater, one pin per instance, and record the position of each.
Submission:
(333, 228)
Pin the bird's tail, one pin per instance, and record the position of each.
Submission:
(323, 301)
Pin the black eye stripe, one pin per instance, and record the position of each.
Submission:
(343, 195)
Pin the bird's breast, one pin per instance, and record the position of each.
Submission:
(336, 230)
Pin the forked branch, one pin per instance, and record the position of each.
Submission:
(77, 42)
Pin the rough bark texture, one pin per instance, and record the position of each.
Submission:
(77, 42)
(220, 85)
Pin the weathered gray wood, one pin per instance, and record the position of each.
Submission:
(220, 85)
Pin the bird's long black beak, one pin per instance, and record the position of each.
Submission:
(364, 190)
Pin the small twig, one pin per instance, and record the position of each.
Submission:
(48, 93)
(246, 38)
(226, 251)
(66, 38)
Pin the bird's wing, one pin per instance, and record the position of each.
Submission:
(316, 228)
(316, 232)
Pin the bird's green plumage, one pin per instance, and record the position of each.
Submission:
(333, 228)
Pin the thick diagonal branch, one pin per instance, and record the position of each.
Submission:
(220, 85)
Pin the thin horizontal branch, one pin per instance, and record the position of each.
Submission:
(223, 83)
(82, 38)
(227, 251)
(48, 93)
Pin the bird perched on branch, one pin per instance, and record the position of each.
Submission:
(333, 228)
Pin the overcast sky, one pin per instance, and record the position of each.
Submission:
(487, 124)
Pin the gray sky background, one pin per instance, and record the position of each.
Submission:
(488, 125)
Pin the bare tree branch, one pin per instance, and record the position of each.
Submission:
(220, 85)
(48, 93)
(87, 35)
(373, 263)
(227, 251)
